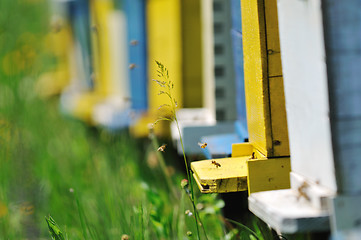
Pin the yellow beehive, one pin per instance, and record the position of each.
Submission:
(58, 42)
(266, 156)
(101, 76)
(192, 54)
(266, 115)
(165, 46)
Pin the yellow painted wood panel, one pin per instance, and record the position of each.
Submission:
(192, 54)
(279, 119)
(164, 41)
(242, 149)
(266, 116)
(255, 73)
(100, 31)
(95, 48)
(272, 36)
(241, 173)
(268, 174)
(230, 175)
(60, 45)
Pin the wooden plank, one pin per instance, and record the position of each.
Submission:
(286, 213)
(165, 46)
(79, 14)
(342, 38)
(232, 174)
(268, 174)
(101, 35)
(136, 35)
(255, 73)
(341, 21)
(242, 149)
(272, 36)
(208, 56)
(236, 15)
(260, 31)
(279, 127)
(306, 90)
(229, 176)
(192, 67)
(119, 78)
(60, 44)
(239, 77)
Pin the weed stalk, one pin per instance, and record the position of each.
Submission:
(163, 73)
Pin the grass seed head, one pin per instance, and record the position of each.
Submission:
(125, 237)
(184, 183)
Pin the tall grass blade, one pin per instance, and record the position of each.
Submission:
(244, 227)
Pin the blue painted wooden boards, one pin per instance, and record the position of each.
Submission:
(137, 50)
(79, 16)
(237, 47)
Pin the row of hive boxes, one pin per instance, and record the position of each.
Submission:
(108, 63)
(106, 52)
(106, 56)
(111, 67)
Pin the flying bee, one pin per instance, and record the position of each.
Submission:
(216, 164)
(132, 66)
(134, 42)
(162, 148)
(202, 145)
(94, 28)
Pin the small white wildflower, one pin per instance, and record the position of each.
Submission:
(188, 213)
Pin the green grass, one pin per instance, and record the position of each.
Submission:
(95, 184)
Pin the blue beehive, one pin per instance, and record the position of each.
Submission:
(236, 32)
(137, 51)
(79, 16)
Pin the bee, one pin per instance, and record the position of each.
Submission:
(94, 28)
(202, 145)
(134, 42)
(302, 191)
(216, 164)
(162, 148)
(132, 66)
